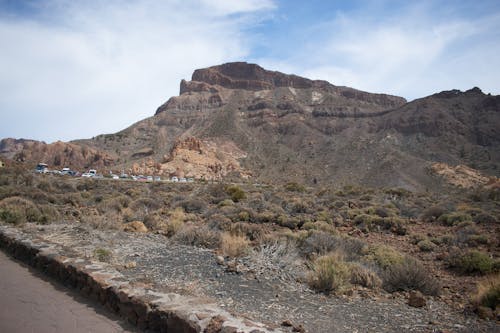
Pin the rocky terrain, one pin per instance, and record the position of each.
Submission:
(259, 290)
(274, 128)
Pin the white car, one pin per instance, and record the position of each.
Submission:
(87, 175)
(175, 179)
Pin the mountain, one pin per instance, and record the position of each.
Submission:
(240, 120)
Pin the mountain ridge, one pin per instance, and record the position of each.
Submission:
(279, 127)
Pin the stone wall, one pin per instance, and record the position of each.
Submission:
(143, 307)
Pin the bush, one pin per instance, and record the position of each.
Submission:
(471, 262)
(484, 218)
(330, 273)
(426, 245)
(363, 276)
(294, 187)
(488, 293)
(409, 274)
(199, 236)
(236, 193)
(455, 218)
(234, 245)
(17, 210)
(192, 205)
(175, 222)
(432, 213)
(383, 256)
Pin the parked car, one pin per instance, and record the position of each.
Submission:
(190, 180)
(182, 180)
(157, 179)
(174, 179)
(115, 177)
(41, 168)
(149, 178)
(87, 175)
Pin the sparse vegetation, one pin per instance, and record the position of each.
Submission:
(330, 274)
(332, 239)
(471, 262)
(409, 274)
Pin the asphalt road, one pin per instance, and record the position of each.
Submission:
(29, 302)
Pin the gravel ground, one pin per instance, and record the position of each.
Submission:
(260, 289)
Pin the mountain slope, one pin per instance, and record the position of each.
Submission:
(242, 120)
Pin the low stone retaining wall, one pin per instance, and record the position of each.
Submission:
(141, 306)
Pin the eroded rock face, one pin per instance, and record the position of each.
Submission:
(192, 157)
(460, 175)
(58, 154)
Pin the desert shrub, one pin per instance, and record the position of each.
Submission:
(454, 218)
(220, 222)
(154, 222)
(475, 240)
(488, 292)
(251, 231)
(48, 214)
(416, 238)
(426, 245)
(175, 222)
(330, 273)
(363, 276)
(295, 187)
(471, 262)
(397, 192)
(289, 222)
(12, 215)
(470, 235)
(217, 192)
(145, 203)
(87, 185)
(383, 256)
(484, 218)
(192, 205)
(235, 192)
(409, 274)
(296, 206)
(17, 210)
(444, 239)
(319, 243)
(365, 197)
(432, 213)
(244, 215)
(45, 186)
(234, 245)
(226, 202)
(281, 253)
(103, 255)
(201, 236)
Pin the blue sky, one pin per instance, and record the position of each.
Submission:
(76, 69)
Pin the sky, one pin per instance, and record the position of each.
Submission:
(77, 69)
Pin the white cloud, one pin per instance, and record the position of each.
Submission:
(413, 53)
(79, 69)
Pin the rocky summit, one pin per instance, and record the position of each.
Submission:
(239, 120)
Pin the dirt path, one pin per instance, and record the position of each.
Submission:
(32, 303)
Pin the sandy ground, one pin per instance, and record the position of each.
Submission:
(32, 303)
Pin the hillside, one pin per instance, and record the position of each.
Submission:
(241, 120)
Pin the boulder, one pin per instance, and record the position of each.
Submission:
(416, 299)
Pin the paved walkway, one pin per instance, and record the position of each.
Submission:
(30, 302)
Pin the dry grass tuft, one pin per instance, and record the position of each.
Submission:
(234, 245)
